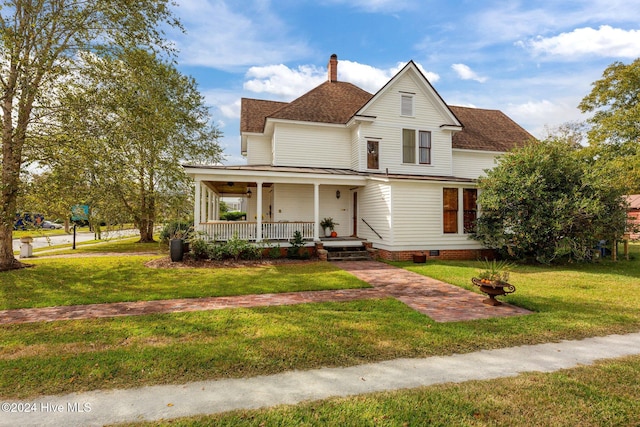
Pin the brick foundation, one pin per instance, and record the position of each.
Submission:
(448, 254)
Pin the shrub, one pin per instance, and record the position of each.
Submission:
(275, 252)
(172, 229)
(200, 248)
(297, 244)
(232, 216)
(234, 248)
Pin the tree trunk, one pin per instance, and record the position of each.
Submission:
(146, 231)
(7, 260)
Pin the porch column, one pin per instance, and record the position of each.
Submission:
(316, 212)
(197, 204)
(259, 211)
(209, 202)
(203, 203)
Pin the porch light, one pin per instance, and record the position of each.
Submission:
(337, 194)
(249, 193)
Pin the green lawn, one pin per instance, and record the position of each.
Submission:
(87, 280)
(569, 302)
(45, 232)
(606, 394)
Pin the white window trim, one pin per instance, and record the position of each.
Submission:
(460, 212)
(416, 147)
(411, 97)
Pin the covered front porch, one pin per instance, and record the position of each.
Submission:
(279, 201)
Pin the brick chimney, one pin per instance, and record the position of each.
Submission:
(333, 68)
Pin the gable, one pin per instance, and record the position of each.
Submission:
(335, 102)
(418, 83)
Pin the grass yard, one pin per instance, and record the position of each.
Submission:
(605, 394)
(570, 302)
(87, 280)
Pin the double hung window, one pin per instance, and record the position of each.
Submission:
(413, 148)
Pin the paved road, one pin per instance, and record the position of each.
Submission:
(96, 408)
(43, 242)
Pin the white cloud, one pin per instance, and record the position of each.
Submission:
(466, 73)
(536, 116)
(606, 41)
(223, 38)
(288, 83)
(282, 81)
(376, 6)
(226, 102)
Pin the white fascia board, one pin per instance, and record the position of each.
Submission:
(275, 177)
(360, 119)
(390, 180)
(271, 122)
(465, 150)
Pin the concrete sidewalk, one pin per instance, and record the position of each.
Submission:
(208, 397)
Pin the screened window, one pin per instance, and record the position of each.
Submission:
(470, 209)
(450, 210)
(406, 105)
(373, 155)
(425, 147)
(408, 146)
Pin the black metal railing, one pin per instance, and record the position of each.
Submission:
(372, 229)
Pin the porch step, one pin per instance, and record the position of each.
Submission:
(349, 253)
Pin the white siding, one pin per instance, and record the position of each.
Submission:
(417, 218)
(293, 202)
(258, 150)
(374, 205)
(471, 164)
(356, 149)
(311, 145)
(389, 124)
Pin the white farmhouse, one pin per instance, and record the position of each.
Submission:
(396, 169)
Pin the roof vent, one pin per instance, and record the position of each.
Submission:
(333, 68)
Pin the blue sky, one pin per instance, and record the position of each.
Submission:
(534, 60)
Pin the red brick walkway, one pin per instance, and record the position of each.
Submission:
(438, 300)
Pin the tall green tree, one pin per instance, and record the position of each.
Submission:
(138, 119)
(548, 201)
(39, 41)
(615, 124)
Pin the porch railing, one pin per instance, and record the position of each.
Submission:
(225, 230)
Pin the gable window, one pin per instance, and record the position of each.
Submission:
(424, 147)
(406, 105)
(470, 209)
(450, 210)
(373, 157)
(408, 146)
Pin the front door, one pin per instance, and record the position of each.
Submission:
(355, 215)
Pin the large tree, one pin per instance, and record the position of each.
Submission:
(39, 41)
(137, 118)
(615, 125)
(549, 200)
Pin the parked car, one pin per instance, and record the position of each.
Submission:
(50, 225)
